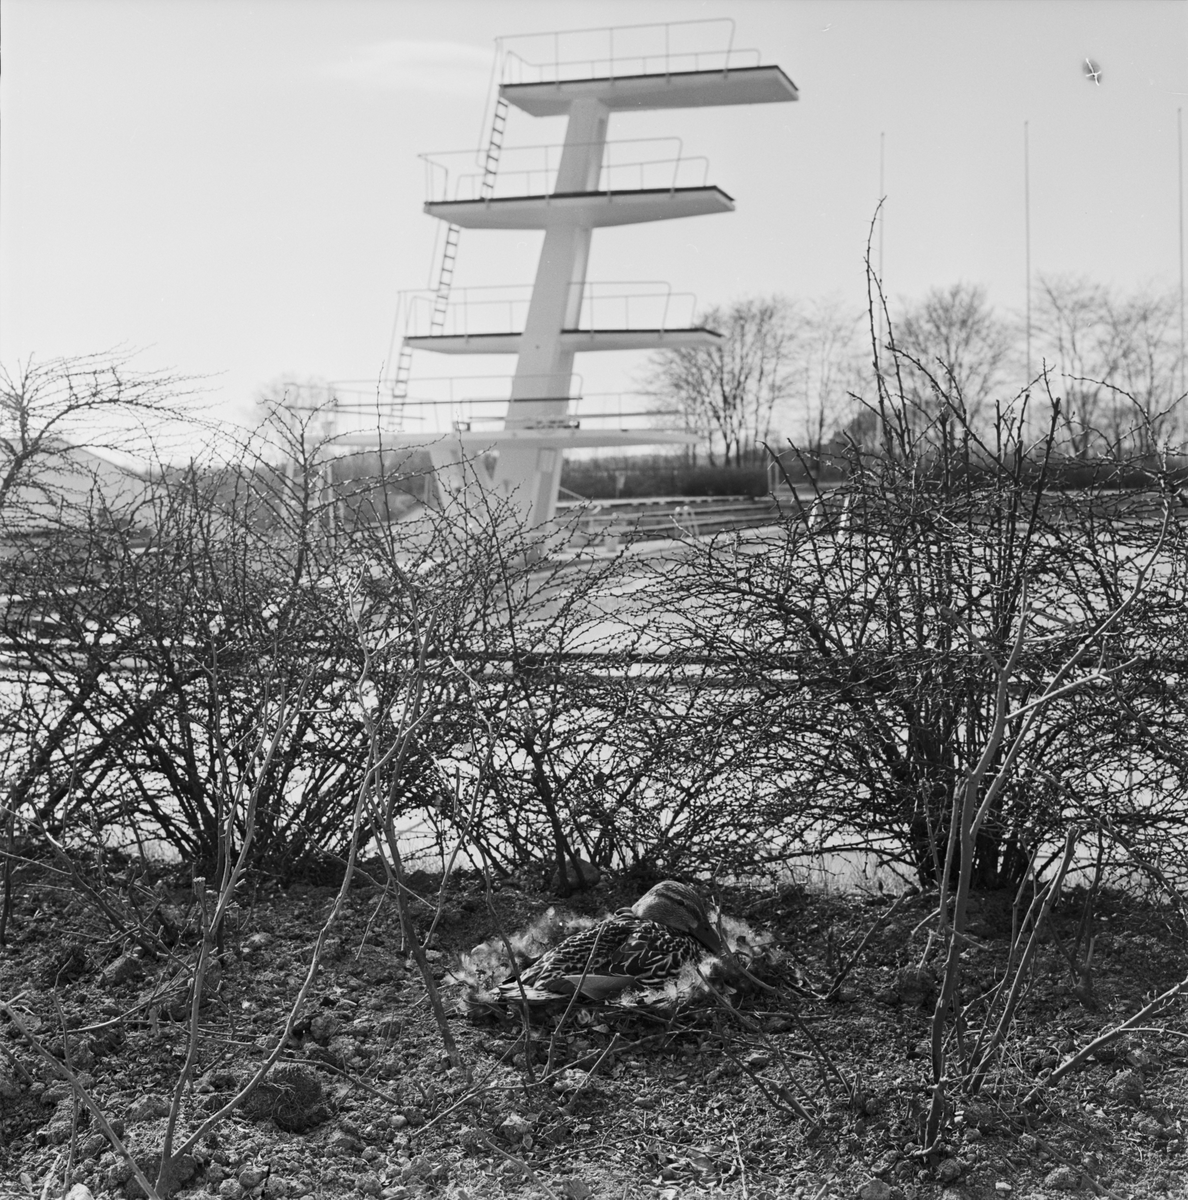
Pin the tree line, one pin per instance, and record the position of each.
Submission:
(794, 369)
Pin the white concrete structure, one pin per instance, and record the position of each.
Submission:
(539, 423)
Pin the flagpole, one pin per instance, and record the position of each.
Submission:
(1180, 157)
(882, 215)
(1027, 236)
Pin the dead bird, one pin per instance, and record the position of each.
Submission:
(643, 946)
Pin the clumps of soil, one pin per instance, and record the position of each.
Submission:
(291, 1095)
(777, 1082)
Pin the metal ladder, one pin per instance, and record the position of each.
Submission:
(494, 148)
(445, 277)
(449, 254)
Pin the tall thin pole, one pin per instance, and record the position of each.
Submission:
(882, 216)
(1027, 236)
(882, 195)
(1180, 150)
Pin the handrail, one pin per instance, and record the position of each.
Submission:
(468, 187)
(599, 410)
(613, 47)
(719, 60)
(469, 184)
(607, 142)
(454, 386)
(502, 308)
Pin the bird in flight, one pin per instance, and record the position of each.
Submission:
(1092, 72)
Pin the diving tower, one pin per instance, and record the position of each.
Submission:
(576, 188)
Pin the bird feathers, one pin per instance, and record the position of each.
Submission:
(639, 947)
(657, 951)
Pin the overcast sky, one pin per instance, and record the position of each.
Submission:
(233, 187)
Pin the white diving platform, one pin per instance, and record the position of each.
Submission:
(678, 89)
(586, 210)
(572, 340)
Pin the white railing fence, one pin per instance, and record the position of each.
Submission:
(628, 164)
(503, 308)
(470, 403)
(614, 52)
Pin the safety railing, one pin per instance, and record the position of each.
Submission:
(431, 405)
(598, 411)
(474, 311)
(628, 164)
(614, 52)
(477, 404)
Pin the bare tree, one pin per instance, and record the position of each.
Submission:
(729, 393)
(828, 371)
(1077, 341)
(954, 333)
(1151, 365)
(1116, 360)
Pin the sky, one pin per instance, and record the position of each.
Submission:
(232, 189)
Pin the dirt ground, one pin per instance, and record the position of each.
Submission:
(759, 1088)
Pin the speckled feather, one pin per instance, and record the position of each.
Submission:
(623, 945)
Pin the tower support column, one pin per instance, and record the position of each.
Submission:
(544, 371)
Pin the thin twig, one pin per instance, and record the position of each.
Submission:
(875, 927)
(536, 1179)
(1155, 1006)
(61, 1069)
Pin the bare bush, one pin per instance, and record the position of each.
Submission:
(862, 634)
